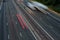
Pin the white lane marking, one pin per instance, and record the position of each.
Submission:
(40, 26)
(36, 36)
(54, 17)
(8, 36)
(20, 34)
(16, 22)
(7, 24)
(1, 5)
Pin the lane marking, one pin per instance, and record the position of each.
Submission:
(8, 36)
(7, 24)
(40, 26)
(20, 34)
(16, 22)
(1, 5)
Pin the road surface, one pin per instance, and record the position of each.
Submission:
(18, 22)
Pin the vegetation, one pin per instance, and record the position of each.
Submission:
(53, 4)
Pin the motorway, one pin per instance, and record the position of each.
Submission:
(10, 27)
(49, 23)
(18, 22)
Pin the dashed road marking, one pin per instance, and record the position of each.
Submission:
(7, 24)
(8, 36)
(20, 34)
(16, 22)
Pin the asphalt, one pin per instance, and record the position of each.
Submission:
(49, 22)
(10, 27)
(42, 35)
(1, 22)
(26, 34)
(51, 25)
